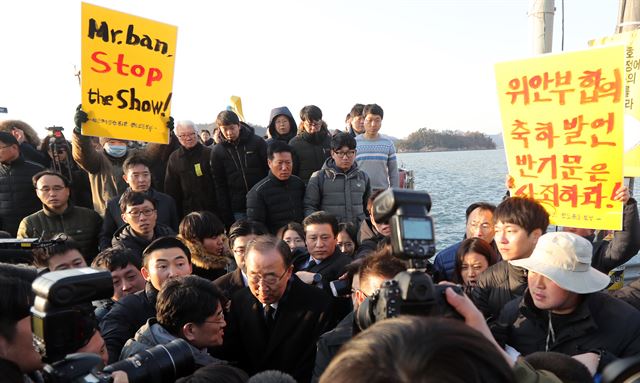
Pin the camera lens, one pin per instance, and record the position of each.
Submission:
(163, 363)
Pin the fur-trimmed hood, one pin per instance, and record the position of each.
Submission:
(203, 259)
(30, 135)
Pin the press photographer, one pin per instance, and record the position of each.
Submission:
(18, 356)
(63, 322)
(57, 150)
(383, 287)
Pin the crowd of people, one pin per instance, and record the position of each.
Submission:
(238, 244)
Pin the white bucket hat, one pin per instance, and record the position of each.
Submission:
(565, 258)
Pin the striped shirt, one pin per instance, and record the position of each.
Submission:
(377, 157)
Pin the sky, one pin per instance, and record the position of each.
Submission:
(427, 63)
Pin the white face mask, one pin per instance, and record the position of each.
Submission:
(115, 150)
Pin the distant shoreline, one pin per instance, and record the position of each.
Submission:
(437, 150)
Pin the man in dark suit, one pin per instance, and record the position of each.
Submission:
(324, 262)
(276, 322)
(240, 234)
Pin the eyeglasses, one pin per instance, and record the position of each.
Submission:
(347, 154)
(47, 189)
(219, 318)
(137, 213)
(481, 226)
(268, 280)
(188, 135)
(315, 124)
(239, 250)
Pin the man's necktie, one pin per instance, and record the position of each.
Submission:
(269, 317)
(310, 265)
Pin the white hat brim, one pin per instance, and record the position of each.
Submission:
(581, 282)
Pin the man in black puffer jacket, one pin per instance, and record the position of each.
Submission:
(17, 197)
(312, 145)
(140, 213)
(277, 199)
(238, 162)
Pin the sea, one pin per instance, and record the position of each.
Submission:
(455, 180)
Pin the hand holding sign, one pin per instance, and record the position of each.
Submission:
(127, 67)
(562, 117)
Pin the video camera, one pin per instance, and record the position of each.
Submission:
(410, 292)
(15, 250)
(57, 143)
(63, 321)
(57, 146)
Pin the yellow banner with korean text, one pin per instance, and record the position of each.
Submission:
(631, 41)
(562, 117)
(127, 75)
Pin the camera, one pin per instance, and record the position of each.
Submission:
(163, 363)
(410, 292)
(19, 250)
(412, 231)
(58, 145)
(63, 321)
(62, 314)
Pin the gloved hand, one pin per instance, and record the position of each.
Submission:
(170, 125)
(79, 118)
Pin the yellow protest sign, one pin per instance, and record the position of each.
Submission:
(631, 41)
(127, 75)
(562, 119)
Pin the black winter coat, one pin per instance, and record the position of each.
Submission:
(126, 238)
(303, 314)
(237, 166)
(600, 322)
(310, 151)
(330, 342)
(230, 283)
(166, 211)
(276, 203)
(18, 198)
(126, 317)
(189, 180)
(497, 285)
